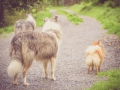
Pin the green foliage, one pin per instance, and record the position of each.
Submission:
(39, 17)
(8, 9)
(71, 17)
(93, 2)
(34, 10)
(112, 3)
(109, 17)
(113, 82)
(10, 18)
(19, 4)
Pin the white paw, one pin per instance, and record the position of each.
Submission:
(15, 83)
(46, 77)
(26, 84)
(53, 78)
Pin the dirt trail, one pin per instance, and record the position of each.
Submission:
(70, 68)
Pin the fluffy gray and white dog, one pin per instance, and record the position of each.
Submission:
(24, 25)
(32, 45)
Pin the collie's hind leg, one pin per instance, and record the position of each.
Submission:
(53, 63)
(26, 65)
(45, 63)
(28, 57)
(15, 79)
(25, 69)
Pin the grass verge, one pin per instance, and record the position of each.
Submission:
(109, 17)
(113, 82)
(71, 17)
(6, 30)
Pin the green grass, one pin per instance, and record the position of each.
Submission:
(5, 36)
(39, 17)
(71, 17)
(113, 82)
(6, 30)
(109, 17)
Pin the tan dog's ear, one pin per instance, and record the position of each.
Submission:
(94, 43)
(99, 43)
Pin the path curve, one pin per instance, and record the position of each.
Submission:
(70, 68)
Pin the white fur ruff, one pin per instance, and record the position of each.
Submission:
(51, 25)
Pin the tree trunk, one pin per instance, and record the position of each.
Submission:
(1, 14)
(57, 2)
(63, 2)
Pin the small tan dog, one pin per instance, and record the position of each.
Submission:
(94, 56)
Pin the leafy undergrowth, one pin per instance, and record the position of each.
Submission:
(113, 82)
(71, 17)
(108, 16)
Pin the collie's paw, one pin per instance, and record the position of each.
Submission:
(15, 82)
(47, 77)
(53, 78)
(26, 84)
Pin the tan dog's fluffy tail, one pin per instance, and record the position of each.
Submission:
(14, 68)
(89, 60)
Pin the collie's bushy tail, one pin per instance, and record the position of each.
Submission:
(14, 68)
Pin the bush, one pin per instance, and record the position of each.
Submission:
(111, 3)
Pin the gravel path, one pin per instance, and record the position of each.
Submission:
(70, 68)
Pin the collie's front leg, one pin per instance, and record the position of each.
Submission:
(53, 63)
(45, 63)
